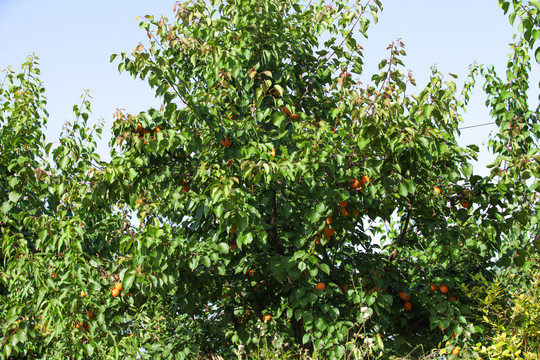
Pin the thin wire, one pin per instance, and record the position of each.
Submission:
(474, 126)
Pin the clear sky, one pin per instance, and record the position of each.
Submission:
(74, 41)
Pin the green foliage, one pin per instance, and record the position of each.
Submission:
(269, 171)
(528, 19)
(508, 311)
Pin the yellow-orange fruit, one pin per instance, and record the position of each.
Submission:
(404, 296)
(364, 180)
(328, 231)
(226, 142)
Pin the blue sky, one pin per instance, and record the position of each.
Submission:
(74, 41)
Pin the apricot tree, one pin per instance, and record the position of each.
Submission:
(281, 203)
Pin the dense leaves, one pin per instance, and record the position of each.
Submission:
(273, 201)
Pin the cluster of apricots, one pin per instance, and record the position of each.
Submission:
(329, 231)
(116, 289)
(406, 298)
(82, 326)
(360, 184)
(141, 131)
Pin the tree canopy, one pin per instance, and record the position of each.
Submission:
(280, 203)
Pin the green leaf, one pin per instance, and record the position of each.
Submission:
(6, 206)
(403, 189)
(129, 278)
(14, 196)
(223, 247)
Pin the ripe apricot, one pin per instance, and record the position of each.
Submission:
(356, 212)
(407, 306)
(226, 142)
(90, 314)
(233, 229)
(318, 240)
(404, 296)
(267, 317)
(344, 212)
(118, 286)
(364, 180)
(239, 319)
(229, 163)
(248, 312)
(434, 287)
(455, 351)
(355, 183)
(115, 292)
(83, 294)
(320, 286)
(343, 203)
(329, 220)
(229, 117)
(286, 111)
(273, 152)
(465, 204)
(436, 190)
(444, 288)
(250, 272)
(294, 116)
(329, 232)
(141, 130)
(234, 247)
(452, 299)
(186, 188)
